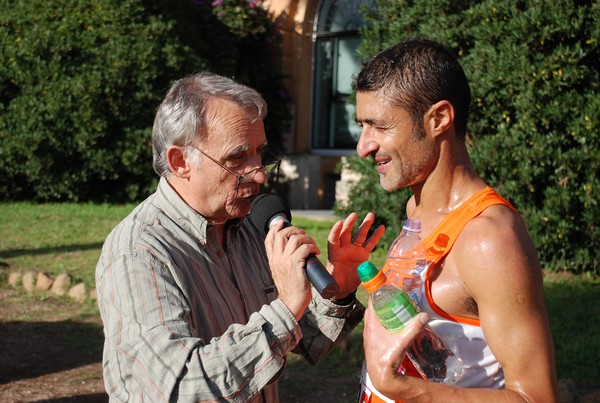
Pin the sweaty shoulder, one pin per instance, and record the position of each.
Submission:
(494, 251)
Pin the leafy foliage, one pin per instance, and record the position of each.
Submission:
(80, 83)
(534, 127)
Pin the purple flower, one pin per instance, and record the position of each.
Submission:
(217, 3)
(252, 3)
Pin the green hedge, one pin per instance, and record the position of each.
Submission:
(534, 129)
(80, 82)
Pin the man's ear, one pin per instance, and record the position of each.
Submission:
(177, 161)
(440, 117)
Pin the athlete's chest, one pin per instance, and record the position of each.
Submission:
(449, 291)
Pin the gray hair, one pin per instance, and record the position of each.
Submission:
(180, 118)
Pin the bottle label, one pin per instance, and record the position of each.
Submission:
(397, 313)
(433, 359)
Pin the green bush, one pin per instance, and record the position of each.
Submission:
(534, 127)
(80, 82)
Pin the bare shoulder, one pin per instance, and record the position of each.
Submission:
(495, 250)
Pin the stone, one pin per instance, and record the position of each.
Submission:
(61, 284)
(78, 292)
(44, 282)
(94, 294)
(28, 281)
(14, 279)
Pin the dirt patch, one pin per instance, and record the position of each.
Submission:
(49, 353)
(52, 357)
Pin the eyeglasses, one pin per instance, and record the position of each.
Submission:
(268, 169)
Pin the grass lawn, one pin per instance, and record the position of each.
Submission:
(57, 238)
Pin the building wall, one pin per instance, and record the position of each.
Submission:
(314, 179)
(294, 19)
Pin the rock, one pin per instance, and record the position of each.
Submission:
(78, 292)
(61, 284)
(44, 282)
(94, 294)
(14, 279)
(29, 281)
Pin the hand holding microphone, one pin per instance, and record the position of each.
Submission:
(267, 210)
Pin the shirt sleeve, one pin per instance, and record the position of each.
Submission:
(151, 350)
(324, 325)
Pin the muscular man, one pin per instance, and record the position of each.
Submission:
(483, 285)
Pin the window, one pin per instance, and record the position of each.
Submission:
(335, 63)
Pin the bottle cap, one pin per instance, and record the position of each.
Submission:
(412, 225)
(372, 278)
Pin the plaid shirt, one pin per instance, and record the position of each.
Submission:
(186, 320)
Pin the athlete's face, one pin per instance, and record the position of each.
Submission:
(403, 152)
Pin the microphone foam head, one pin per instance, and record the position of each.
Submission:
(264, 208)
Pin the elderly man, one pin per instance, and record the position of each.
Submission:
(196, 305)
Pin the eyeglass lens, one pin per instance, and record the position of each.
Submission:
(267, 169)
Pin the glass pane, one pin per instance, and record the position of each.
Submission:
(344, 131)
(336, 63)
(346, 64)
(340, 15)
(322, 92)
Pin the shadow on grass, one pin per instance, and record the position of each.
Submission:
(5, 254)
(336, 379)
(32, 349)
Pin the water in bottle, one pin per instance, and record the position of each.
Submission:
(407, 259)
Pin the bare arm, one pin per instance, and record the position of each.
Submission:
(505, 280)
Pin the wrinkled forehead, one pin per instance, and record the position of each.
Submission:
(223, 116)
(230, 126)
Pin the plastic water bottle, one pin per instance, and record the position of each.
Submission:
(407, 259)
(395, 309)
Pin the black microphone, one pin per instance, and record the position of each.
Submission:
(269, 209)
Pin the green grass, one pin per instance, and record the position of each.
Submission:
(574, 308)
(68, 237)
(56, 238)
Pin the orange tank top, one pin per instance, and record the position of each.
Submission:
(438, 243)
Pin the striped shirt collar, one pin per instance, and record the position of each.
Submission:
(186, 217)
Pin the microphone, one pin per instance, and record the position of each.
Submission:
(269, 209)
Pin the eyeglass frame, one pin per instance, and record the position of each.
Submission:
(245, 178)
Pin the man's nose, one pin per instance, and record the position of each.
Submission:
(260, 176)
(366, 144)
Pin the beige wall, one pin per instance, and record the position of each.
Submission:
(295, 20)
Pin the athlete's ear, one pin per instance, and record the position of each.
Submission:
(440, 117)
(178, 161)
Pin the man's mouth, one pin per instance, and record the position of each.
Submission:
(381, 163)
